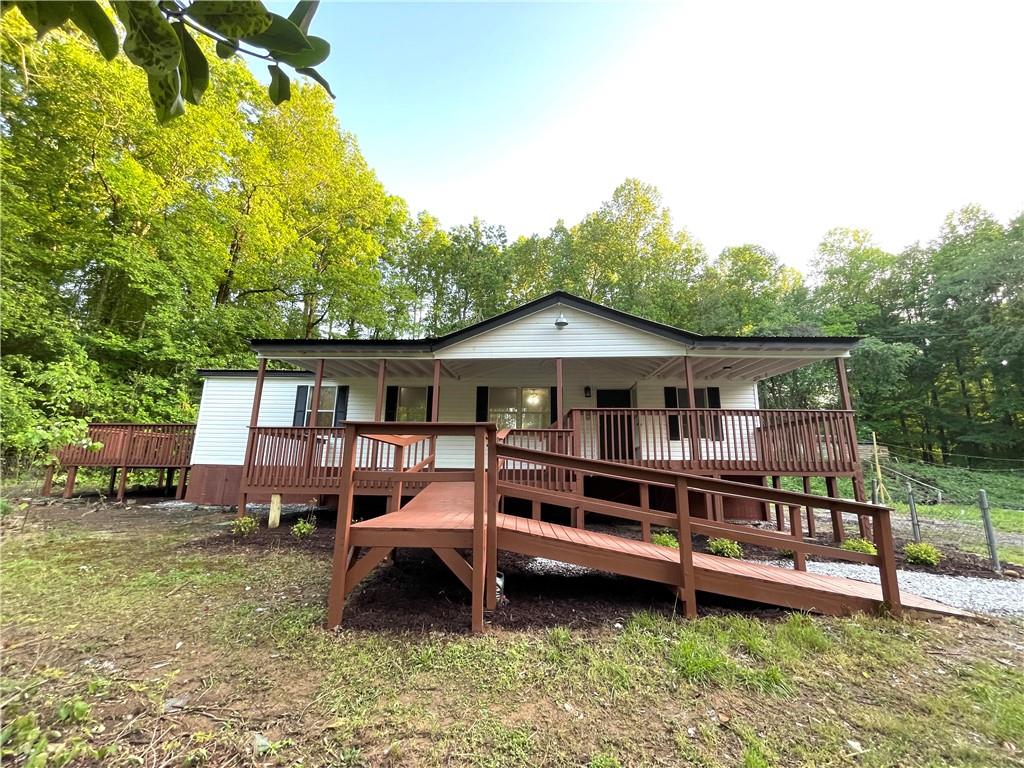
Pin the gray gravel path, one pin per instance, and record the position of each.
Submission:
(997, 597)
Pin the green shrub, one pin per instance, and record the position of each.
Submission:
(303, 529)
(605, 759)
(725, 548)
(665, 539)
(922, 554)
(244, 525)
(859, 545)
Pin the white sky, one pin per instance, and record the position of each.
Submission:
(770, 122)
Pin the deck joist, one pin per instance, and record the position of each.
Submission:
(441, 516)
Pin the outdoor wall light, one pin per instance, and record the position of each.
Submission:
(586, 391)
(561, 321)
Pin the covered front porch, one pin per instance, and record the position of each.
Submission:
(690, 413)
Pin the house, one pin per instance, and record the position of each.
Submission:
(504, 437)
(559, 373)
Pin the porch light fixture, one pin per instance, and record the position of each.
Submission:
(586, 391)
(561, 321)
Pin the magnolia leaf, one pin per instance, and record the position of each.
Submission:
(194, 69)
(318, 51)
(226, 48)
(231, 18)
(302, 14)
(280, 86)
(310, 72)
(90, 17)
(281, 35)
(165, 91)
(150, 40)
(44, 16)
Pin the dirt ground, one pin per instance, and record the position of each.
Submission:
(148, 634)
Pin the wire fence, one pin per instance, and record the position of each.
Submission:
(992, 530)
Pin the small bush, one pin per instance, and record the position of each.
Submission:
(605, 759)
(922, 554)
(303, 529)
(665, 539)
(244, 525)
(725, 548)
(859, 545)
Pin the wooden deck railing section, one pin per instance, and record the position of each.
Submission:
(719, 439)
(309, 459)
(165, 447)
(485, 504)
(151, 446)
(492, 479)
(558, 441)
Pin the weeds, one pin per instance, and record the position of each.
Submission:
(303, 529)
(244, 525)
(665, 539)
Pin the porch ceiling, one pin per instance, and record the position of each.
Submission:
(738, 368)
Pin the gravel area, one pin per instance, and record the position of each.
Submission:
(997, 597)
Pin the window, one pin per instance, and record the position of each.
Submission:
(412, 404)
(325, 410)
(519, 407)
(330, 411)
(678, 397)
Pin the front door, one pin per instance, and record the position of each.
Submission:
(616, 429)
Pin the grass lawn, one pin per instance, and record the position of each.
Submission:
(149, 637)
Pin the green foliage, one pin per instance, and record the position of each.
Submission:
(159, 39)
(665, 539)
(303, 529)
(244, 525)
(859, 545)
(604, 760)
(725, 548)
(73, 711)
(922, 554)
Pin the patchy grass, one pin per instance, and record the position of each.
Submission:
(1004, 520)
(126, 642)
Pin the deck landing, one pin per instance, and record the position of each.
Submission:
(441, 516)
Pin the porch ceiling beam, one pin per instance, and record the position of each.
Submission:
(776, 369)
(702, 365)
(753, 365)
(662, 369)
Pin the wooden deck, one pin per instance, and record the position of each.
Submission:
(442, 517)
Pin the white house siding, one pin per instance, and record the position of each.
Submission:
(224, 411)
(586, 335)
(226, 406)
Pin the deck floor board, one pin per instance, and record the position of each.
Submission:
(448, 507)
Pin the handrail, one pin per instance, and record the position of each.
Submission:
(485, 502)
(794, 542)
(132, 445)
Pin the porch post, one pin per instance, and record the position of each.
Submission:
(257, 397)
(378, 410)
(843, 385)
(314, 404)
(691, 421)
(558, 393)
(435, 403)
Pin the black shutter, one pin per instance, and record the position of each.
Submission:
(341, 406)
(481, 403)
(714, 400)
(430, 403)
(391, 404)
(299, 415)
(554, 405)
(672, 401)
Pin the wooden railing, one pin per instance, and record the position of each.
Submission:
(156, 446)
(686, 525)
(283, 459)
(527, 473)
(723, 439)
(484, 477)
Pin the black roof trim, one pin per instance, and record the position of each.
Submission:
(238, 373)
(688, 338)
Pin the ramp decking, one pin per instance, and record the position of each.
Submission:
(441, 517)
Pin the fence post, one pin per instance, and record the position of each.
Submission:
(990, 534)
(915, 524)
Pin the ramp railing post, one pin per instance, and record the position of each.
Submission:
(479, 532)
(687, 590)
(342, 533)
(492, 519)
(887, 560)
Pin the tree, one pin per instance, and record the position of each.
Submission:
(160, 38)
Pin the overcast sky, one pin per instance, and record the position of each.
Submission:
(759, 122)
